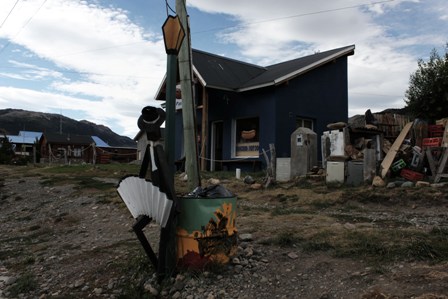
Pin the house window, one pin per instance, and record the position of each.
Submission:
(77, 152)
(305, 122)
(246, 137)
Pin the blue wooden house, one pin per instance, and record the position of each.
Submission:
(242, 108)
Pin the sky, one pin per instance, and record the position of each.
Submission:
(104, 60)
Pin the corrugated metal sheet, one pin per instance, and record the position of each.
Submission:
(24, 137)
(99, 142)
(21, 139)
(30, 134)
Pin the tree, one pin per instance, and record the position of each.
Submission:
(6, 150)
(427, 95)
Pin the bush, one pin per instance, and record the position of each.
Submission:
(6, 150)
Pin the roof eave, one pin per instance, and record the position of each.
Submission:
(195, 71)
(200, 78)
(345, 52)
(159, 89)
(267, 84)
(221, 88)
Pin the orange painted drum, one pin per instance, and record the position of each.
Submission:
(206, 231)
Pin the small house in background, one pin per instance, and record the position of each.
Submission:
(241, 108)
(25, 143)
(115, 154)
(103, 151)
(67, 148)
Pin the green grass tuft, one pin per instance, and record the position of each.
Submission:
(285, 239)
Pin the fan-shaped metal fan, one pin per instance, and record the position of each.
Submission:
(143, 198)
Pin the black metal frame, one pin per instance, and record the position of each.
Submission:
(161, 175)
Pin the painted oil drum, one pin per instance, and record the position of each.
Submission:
(206, 231)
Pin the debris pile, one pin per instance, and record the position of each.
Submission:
(385, 146)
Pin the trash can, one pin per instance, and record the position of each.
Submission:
(206, 230)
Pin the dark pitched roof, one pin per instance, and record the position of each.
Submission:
(224, 73)
(68, 138)
(281, 72)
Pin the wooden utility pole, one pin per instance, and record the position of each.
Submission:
(188, 109)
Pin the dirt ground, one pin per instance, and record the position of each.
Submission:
(62, 236)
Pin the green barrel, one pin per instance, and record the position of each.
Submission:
(206, 231)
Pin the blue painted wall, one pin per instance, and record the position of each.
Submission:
(321, 95)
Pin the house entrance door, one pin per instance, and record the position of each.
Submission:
(217, 145)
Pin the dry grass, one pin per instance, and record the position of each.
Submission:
(378, 226)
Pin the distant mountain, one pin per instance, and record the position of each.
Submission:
(14, 120)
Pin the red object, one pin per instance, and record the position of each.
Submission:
(192, 260)
(432, 142)
(411, 175)
(436, 130)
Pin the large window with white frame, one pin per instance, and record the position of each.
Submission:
(246, 137)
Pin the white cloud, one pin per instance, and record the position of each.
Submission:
(31, 72)
(104, 57)
(99, 64)
(378, 72)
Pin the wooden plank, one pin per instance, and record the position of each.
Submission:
(441, 169)
(188, 110)
(387, 161)
(433, 165)
(445, 137)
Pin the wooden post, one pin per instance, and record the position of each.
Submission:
(188, 109)
(204, 133)
(445, 136)
(49, 154)
(273, 163)
(369, 165)
(270, 165)
(441, 172)
(94, 154)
